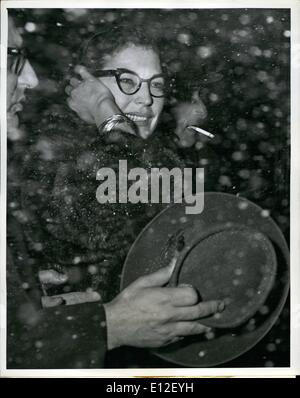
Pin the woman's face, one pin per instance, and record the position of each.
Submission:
(143, 109)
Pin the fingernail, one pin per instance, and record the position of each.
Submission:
(221, 306)
(63, 301)
(185, 285)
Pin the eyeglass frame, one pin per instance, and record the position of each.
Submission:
(21, 57)
(117, 72)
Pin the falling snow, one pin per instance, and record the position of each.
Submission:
(238, 64)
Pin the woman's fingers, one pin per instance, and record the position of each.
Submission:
(48, 302)
(52, 277)
(74, 82)
(82, 71)
(78, 297)
(70, 299)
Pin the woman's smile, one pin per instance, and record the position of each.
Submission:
(139, 119)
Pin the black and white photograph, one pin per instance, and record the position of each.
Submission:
(148, 177)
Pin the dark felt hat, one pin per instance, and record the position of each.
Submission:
(232, 251)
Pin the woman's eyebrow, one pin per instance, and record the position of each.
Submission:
(159, 74)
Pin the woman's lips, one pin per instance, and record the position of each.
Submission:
(140, 120)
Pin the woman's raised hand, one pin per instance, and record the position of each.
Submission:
(93, 101)
(50, 278)
(90, 98)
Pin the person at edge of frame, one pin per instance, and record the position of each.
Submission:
(53, 335)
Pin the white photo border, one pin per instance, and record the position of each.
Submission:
(294, 368)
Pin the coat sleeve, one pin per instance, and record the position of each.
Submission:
(62, 337)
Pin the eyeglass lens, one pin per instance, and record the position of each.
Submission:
(130, 83)
(18, 62)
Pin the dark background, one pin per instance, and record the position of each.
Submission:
(238, 60)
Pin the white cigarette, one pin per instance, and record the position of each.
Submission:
(201, 131)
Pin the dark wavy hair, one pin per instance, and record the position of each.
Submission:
(111, 40)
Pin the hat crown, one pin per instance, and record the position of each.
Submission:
(226, 261)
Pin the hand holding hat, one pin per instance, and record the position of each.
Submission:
(234, 251)
(146, 314)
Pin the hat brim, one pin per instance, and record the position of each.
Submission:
(228, 344)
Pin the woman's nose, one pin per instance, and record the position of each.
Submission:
(28, 78)
(143, 96)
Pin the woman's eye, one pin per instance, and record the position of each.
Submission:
(158, 85)
(127, 81)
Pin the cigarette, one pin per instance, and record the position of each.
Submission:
(44, 290)
(201, 131)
